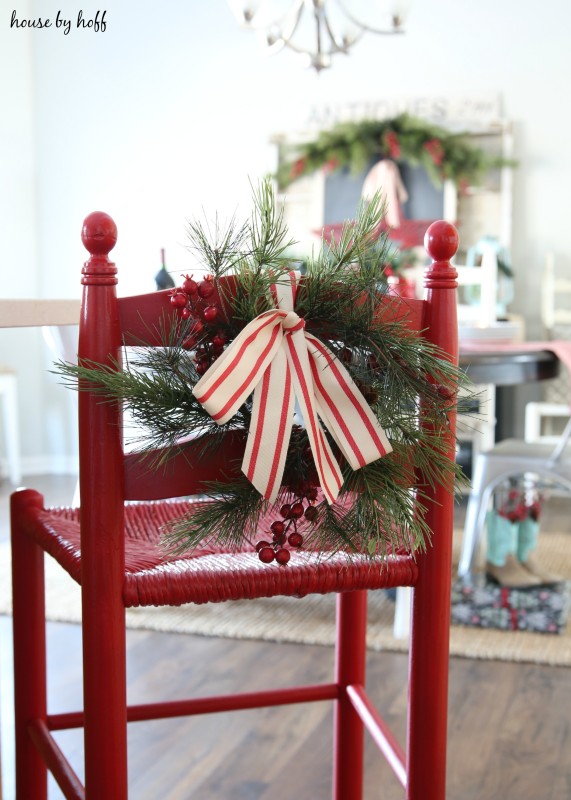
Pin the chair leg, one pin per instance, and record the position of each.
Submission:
(105, 694)
(348, 732)
(30, 693)
(428, 665)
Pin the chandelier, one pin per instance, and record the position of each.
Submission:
(319, 29)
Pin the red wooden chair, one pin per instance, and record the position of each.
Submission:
(111, 549)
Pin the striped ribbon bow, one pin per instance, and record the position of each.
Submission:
(277, 359)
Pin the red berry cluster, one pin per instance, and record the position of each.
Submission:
(519, 506)
(196, 302)
(284, 531)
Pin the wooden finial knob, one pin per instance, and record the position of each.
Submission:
(441, 241)
(99, 233)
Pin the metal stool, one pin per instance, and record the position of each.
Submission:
(507, 459)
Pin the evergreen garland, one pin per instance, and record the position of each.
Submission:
(395, 370)
(404, 138)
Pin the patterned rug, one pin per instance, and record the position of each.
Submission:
(311, 620)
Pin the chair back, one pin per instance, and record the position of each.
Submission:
(108, 477)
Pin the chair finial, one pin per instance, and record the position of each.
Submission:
(441, 241)
(99, 233)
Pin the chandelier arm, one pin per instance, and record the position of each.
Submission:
(304, 51)
(344, 47)
(369, 28)
(317, 17)
(252, 25)
(285, 38)
(335, 48)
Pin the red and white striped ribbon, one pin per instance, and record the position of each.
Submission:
(276, 359)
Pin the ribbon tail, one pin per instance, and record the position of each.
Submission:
(328, 470)
(270, 428)
(343, 409)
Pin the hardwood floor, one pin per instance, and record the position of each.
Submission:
(510, 733)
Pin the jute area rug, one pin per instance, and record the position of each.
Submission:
(311, 620)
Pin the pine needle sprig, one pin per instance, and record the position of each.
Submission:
(219, 248)
(230, 515)
(267, 230)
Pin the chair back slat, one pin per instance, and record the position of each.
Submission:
(149, 319)
(146, 318)
(188, 472)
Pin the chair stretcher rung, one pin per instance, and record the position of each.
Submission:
(208, 705)
(55, 760)
(379, 730)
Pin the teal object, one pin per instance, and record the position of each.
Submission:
(502, 538)
(505, 292)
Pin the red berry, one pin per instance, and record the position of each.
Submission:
(202, 367)
(221, 337)
(262, 544)
(310, 513)
(185, 312)
(283, 556)
(279, 538)
(179, 299)
(196, 328)
(296, 510)
(295, 539)
(285, 510)
(445, 391)
(312, 494)
(189, 285)
(210, 313)
(206, 287)
(277, 526)
(219, 341)
(267, 555)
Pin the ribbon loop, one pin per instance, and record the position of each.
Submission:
(279, 362)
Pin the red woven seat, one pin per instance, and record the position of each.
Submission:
(209, 574)
(112, 547)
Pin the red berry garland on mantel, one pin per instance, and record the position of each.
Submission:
(195, 302)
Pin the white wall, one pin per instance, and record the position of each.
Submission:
(171, 109)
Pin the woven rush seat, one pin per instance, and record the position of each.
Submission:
(210, 574)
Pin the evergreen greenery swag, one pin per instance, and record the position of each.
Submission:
(339, 299)
(444, 155)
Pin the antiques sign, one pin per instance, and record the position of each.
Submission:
(445, 111)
